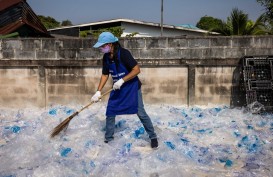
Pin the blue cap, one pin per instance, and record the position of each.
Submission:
(104, 38)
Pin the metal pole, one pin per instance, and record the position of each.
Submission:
(161, 24)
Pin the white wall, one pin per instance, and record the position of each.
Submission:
(153, 31)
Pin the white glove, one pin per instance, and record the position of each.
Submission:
(96, 97)
(118, 84)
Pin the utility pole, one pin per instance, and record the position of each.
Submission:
(161, 23)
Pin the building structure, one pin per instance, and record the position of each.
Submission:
(129, 26)
(18, 19)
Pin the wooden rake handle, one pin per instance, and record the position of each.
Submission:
(89, 104)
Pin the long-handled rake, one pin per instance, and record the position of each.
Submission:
(64, 124)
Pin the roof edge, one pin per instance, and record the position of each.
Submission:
(8, 3)
(136, 22)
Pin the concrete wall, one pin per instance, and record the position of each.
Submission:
(179, 71)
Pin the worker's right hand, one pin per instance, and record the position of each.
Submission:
(96, 97)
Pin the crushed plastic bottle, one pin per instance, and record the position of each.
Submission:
(53, 111)
(65, 152)
(170, 145)
(15, 129)
(120, 124)
(200, 140)
(139, 132)
(126, 148)
(255, 107)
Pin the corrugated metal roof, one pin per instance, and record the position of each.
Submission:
(17, 14)
(10, 27)
(188, 26)
(30, 18)
(136, 22)
(8, 3)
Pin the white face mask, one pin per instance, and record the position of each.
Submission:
(105, 49)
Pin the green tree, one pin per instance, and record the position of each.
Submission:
(269, 27)
(49, 22)
(84, 33)
(117, 31)
(208, 23)
(239, 24)
(132, 34)
(268, 14)
(66, 23)
(268, 4)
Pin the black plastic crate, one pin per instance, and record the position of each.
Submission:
(265, 97)
(270, 57)
(257, 73)
(259, 85)
(251, 96)
(256, 61)
(271, 67)
(272, 73)
(270, 60)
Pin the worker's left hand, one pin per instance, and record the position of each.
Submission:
(118, 84)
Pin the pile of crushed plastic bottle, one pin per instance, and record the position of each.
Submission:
(193, 141)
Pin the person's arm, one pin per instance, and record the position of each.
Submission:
(131, 65)
(103, 81)
(135, 71)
